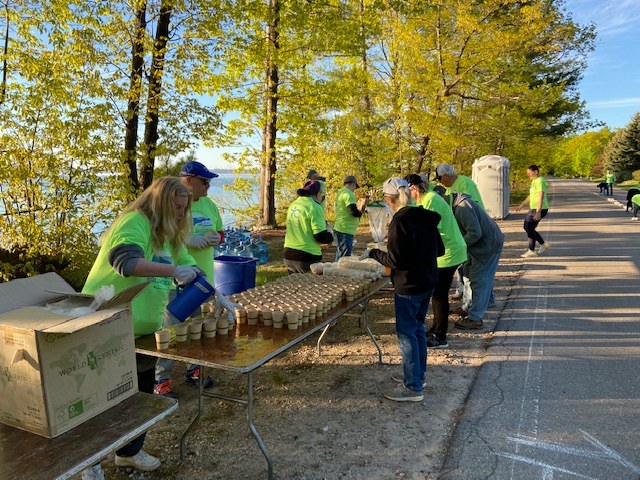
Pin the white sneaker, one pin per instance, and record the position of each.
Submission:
(635, 219)
(140, 461)
(543, 247)
(93, 473)
(529, 253)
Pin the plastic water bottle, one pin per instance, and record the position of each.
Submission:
(253, 248)
(263, 250)
(244, 251)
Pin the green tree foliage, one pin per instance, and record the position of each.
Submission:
(622, 154)
(580, 155)
(97, 96)
(63, 110)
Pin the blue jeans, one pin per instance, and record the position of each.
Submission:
(165, 365)
(479, 273)
(344, 244)
(145, 384)
(411, 311)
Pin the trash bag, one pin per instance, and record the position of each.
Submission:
(379, 217)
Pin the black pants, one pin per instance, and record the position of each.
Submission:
(530, 227)
(440, 302)
(297, 266)
(630, 193)
(146, 379)
(610, 189)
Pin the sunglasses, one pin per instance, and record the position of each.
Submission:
(205, 181)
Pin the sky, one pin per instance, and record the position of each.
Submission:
(611, 83)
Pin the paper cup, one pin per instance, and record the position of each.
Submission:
(293, 317)
(181, 330)
(209, 327)
(162, 339)
(195, 330)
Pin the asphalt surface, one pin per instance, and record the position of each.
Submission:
(557, 396)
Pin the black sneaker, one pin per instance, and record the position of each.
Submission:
(459, 311)
(435, 342)
(466, 324)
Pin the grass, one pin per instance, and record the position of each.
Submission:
(268, 273)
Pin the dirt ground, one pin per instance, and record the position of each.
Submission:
(323, 417)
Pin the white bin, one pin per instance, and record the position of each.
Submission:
(491, 174)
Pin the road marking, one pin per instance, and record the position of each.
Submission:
(547, 469)
(533, 375)
(601, 453)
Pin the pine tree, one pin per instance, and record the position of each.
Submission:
(622, 154)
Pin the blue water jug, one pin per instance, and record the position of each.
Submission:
(190, 297)
(263, 251)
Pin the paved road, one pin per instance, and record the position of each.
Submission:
(558, 396)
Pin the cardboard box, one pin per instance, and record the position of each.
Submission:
(58, 370)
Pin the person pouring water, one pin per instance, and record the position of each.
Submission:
(146, 243)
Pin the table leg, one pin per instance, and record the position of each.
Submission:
(366, 326)
(198, 415)
(324, 330)
(252, 427)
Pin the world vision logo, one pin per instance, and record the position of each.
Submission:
(92, 361)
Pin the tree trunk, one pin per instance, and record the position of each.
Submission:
(367, 148)
(267, 204)
(135, 89)
(155, 92)
(422, 153)
(5, 51)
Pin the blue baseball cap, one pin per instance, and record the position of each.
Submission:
(196, 169)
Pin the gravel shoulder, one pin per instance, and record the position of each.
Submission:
(323, 417)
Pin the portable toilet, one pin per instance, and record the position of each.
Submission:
(491, 174)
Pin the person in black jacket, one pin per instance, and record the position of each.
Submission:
(412, 249)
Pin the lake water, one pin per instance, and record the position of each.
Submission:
(228, 202)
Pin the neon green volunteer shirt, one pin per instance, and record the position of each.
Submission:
(305, 218)
(636, 199)
(147, 308)
(206, 217)
(464, 184)
(538, 185)
(610, 178)
(345, 222)
(455, 248)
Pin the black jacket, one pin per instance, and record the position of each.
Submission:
(413, 247)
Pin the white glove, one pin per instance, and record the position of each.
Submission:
(329, 228)
(198, 241)
(185, 274)
(213, 237)
(228, 305)
(365, 254)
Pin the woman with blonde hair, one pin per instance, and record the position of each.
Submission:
(413, 247)
(146, 243)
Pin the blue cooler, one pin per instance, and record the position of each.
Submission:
(234, 274)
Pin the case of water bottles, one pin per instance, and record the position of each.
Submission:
(240, 242)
